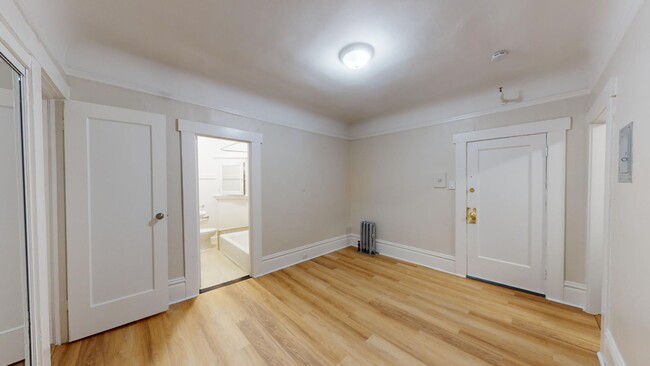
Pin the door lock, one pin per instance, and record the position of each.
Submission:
(160, 216)
(471, 216)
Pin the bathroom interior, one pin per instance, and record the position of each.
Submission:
(224, 211)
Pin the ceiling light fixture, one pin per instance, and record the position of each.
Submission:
(356, 55)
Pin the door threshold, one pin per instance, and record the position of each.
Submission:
(231, 282)
(506, 286)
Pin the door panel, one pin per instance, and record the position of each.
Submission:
(12, 233)
(13, 274)
(506, 184)
(115, 185)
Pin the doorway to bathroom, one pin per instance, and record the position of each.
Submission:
(248, 182)
(223, 188)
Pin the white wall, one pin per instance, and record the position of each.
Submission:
(224, 213)
(305, 188)
(392, 181)
(628, 318)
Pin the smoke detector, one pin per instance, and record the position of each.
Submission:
(499, 55)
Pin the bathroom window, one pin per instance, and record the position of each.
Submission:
(233, 179)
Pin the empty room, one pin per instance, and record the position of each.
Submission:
(326, 182)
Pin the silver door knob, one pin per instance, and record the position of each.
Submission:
(160, 216)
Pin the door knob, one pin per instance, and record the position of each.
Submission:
(471, 216)
(160, 216)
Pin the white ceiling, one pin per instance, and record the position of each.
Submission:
(287, 50)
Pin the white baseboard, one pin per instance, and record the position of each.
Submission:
(277, 261)
(177, 290)
(438, 261)
(611, 355)
(575, 294)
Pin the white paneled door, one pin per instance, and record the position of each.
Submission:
(506, 181)
(116, 202)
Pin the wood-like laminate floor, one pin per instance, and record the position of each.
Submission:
(348, 309)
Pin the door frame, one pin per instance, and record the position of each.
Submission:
(189, 131)
(600, 115)
(36, 83)
(555, 131)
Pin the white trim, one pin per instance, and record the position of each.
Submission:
(426, 258)
(402, 127)
(555, 213)
(556, 183)
(574, 294)
(37, 229)
(189, 173)
(206, 129)
(301, 120)
(602, 101)
(277, 261)
(532, 128)
(610, 352)
(601, 359)
(49, 123)
(600, 112)
(177, 291)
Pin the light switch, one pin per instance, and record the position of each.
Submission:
(451, 184)
(439, 180)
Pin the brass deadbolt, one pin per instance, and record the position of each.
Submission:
(471, 216)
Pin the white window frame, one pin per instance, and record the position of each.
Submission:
(555, 131)
(189, 131)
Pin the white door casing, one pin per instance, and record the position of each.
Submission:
(599, 118)
(115, 170)
(506, 179)
(189, 131)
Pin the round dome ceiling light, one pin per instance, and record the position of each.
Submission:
(356, 55)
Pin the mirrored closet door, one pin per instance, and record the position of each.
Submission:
(14, 328)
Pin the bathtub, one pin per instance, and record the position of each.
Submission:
(235, 247)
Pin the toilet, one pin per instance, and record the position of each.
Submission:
(206, 233)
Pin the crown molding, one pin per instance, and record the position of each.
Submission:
(372, 129)
(278, 113)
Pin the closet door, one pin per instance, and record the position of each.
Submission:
(116, 207)
(13, 280)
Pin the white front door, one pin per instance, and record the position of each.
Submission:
(13, 281)
(115, 177)
(506, 180)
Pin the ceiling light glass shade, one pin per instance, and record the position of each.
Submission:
(356, 55)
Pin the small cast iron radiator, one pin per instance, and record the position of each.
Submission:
(368, 242)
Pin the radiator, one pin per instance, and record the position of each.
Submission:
(368, 242)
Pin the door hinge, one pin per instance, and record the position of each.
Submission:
(546, 274)
(547, 151)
